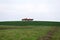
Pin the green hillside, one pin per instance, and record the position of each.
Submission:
(30, 23)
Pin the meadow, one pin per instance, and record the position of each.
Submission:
(30, 23)
(27, 30)
(28, 33)
(56, 35)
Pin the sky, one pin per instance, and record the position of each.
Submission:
(39, 10)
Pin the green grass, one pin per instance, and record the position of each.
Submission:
(30, 23)
(56, 35)
(29, 30)
(22, 33)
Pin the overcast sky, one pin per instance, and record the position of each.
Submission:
(42, 10)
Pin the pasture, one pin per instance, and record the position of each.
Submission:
(34, 30)
(30, 23)
(22, 33)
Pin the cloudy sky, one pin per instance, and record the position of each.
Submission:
(39, 10)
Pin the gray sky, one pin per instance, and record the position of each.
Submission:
(42, 10)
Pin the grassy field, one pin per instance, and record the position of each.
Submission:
(22, 33)
(56, 35)
(20, 30)
(30, 23)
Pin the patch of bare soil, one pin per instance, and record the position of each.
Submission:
(49, 35)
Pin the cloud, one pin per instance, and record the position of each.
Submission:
(37, 9)
(24, 8)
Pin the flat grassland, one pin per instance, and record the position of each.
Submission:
(56, 35)
(23, 33)
(34, 30)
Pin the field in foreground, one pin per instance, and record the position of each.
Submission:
(34, 30)
(56, 35)
(22, 33)
(26, 32)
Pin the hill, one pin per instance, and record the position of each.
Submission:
(30, 23)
